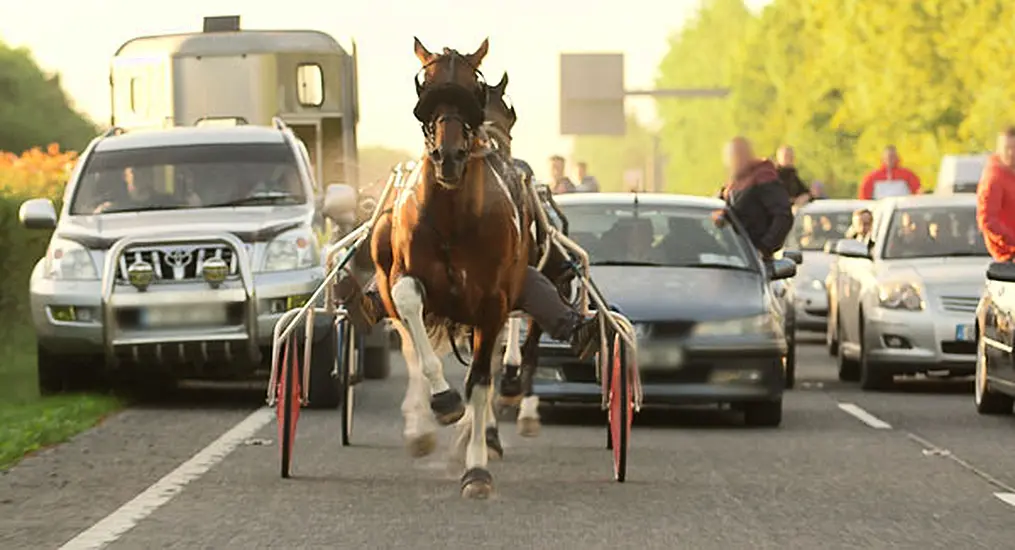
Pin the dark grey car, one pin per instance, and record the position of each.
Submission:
(709, 330)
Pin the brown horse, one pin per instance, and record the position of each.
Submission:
(454, 250)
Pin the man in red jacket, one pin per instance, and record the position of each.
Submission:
(995, 199)
(890, 180)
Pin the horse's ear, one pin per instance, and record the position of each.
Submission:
(476, 57)
(502, 85)
(422, 53)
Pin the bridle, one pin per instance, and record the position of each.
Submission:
(470, 103)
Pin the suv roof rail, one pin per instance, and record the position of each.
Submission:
(278, 123)
(114, 131)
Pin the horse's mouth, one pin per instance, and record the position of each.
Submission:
(450, 184)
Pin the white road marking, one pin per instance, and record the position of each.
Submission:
(864, 416)
(1007, 498)
(125, 518)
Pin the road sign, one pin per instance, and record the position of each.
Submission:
(592, 94)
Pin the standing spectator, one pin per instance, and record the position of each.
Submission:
(890, 180)
(586, 183)
(561, 183)
(818, 190)
(785, 161)
(995, 199)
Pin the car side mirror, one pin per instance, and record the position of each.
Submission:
(340, 203)
(829, 247)
(782, 269)
(795, 255)
(37, 214)
(1001, 271)
(851, 248)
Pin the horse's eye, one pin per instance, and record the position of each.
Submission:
(461, 154)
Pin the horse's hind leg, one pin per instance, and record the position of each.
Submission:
(528, 412)
(420, 429)
(510, 380)
(446, 403)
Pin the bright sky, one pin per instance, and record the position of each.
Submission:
(77, 39)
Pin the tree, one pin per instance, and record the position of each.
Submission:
(608, 157)
(34, 110)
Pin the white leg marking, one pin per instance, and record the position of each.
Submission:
(126, 517)
(476, 452)
(513, 355)
(409, 304)
(864, 416)
(529, 407)
(420, 426)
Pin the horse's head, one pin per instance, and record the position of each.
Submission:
(452, 97)
(500, 114)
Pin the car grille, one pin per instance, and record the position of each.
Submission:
(959, 348)
(176, 263)
(959, 304)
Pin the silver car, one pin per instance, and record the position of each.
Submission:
(817, 225)
(907, 300)
(175, 251)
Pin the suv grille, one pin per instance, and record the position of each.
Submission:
(959, 304)
(176, 263)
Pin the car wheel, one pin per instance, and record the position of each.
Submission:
(376, 363)
(763, 413)
(325, 388)
(68, 374)
(849, 370)
(871, 379)
(831, 336)
(986, 400)
(790, 369)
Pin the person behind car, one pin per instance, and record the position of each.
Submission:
(756, 196)
(995, 199)
(561, 183)
(798, 191)
(586, 183)
(891, 179)
(863, 221)
(685, 242)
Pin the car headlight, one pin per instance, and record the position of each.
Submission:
(756, 324)
(296, 249)
(69, 261)
(900, 296)
(817, 284)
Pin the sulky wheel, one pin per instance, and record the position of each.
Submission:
(346, 365)
(621, 407)
(287, 402)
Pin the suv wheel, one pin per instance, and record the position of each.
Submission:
(790, 370)
(763, 413)
(870, 377)
(325, 389)
(849, 370)
(67, 373)
(988, 401)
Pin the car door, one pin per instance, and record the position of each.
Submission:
(998, 328)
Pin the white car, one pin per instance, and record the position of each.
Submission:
(907, 300)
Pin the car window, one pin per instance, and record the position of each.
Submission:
(812, 230)
(672, 236)
(191, 176)
(933, 232)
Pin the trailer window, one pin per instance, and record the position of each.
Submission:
(310, 85)
(136, 96)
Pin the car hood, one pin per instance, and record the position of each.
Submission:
(666, 293)
(815, 265)
(963, 275)
(248, 223)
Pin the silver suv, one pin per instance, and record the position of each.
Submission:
(175, 252)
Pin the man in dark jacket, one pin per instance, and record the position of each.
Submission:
(799, 193)
(756, 196)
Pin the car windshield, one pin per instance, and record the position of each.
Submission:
(191, 176)
(655, 235)
(934, 232)
(812, 230)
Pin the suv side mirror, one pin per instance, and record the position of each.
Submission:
(795, 255)
(1001, 271)
(340, 203)
(37, 214)
(852, 248)
(782, 269)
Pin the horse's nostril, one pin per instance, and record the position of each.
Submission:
(461, 154)
(435, 154)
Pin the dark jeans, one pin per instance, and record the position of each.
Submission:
(540, 300)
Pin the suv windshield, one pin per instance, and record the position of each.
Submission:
(190, 176)
(812, 230)
(654, 235)
(934, 232)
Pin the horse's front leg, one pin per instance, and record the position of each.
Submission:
(420, 428)
(477, 481)
(446, 403)
(463, 428)
(528, 412)
(510, 394)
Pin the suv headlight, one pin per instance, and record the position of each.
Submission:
(756, 324)
(69, 261)
(900, 295)
(292, 250)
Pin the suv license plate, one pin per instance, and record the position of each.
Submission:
(178, 316)
(965, 333)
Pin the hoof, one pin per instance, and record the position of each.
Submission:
(528, 427)
(477, 483)
(494, 450)
(422, 445)
(447, 406)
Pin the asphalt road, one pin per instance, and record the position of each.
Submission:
(916, 468)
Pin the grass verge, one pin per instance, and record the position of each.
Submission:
(29, 422)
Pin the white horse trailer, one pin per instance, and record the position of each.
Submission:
(225, 75)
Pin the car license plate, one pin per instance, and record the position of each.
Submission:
(181, 316)
(965, 333)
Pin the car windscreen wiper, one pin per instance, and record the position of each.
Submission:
(259, 199)
(149, 208)
(965, 253)
(717, 265)
(628, 262)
